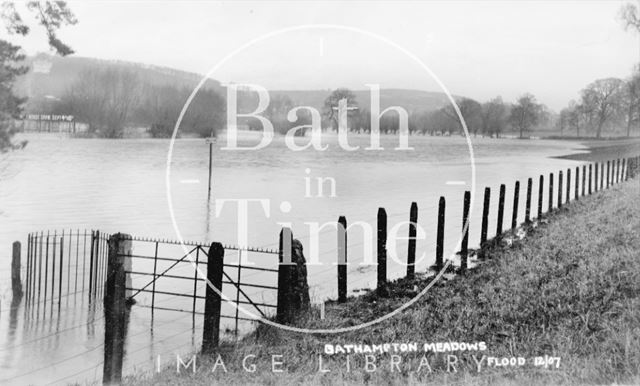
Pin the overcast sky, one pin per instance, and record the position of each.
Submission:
(479, 49)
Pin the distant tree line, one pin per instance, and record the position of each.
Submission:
(605, 105)
(492, 118)
(111, 98)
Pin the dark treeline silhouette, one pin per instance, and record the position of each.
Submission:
(110, 98)
(492, 118)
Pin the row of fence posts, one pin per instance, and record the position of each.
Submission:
(291, 266)
(616, 171)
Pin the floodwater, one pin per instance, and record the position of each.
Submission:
(60, 183)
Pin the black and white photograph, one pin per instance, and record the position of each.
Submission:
(419, 192)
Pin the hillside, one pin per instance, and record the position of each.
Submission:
(51, 76)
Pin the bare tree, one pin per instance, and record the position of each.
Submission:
(494, 117)
(630, 102)
(630, 17)
(104, 99)
(331, 104)
(601, 99)
(526, 113)
(471, 112)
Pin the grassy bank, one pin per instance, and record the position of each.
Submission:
(570, 289)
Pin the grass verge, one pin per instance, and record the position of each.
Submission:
(570, 289)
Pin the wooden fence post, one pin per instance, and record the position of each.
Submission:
(382, 250)
(342, 259)
(284, 274)
(550, 192)
(440, 235)
(485, 221)
(213, 300)
(91, 263)
(500, 211)
(584, 179)
(601, 175)
(540, 196)
(618, 170)
(560, 189)
(527, 208)
(590, 173)
(16, 283)
(595, 178)
(29, 267)
(576, 196)
(516, 199)
(568, 192)
(60, 269)
(465, 229)
(411, 249)
(623, 170)
(115, 308)
(608, 173)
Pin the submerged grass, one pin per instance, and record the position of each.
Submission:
(570, 289)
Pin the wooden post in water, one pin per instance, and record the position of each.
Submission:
(54, 250)
(485, 222)
(560, 189)
(46, 267)
(210, 168)
(61, 264)
(411, 249)
(550, 192)
(342, 259)
(568, 192)
(29, 268)
(465, 235)
(540, 196)
(516, 198)
(39, 259)
(382, 251)
(16, 283)
(155, 276)
(527, 208)
(213, 300)
(115, 309)
(440, 235)
(500, 211)
(91, 254)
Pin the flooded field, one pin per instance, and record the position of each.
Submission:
(58, 183)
